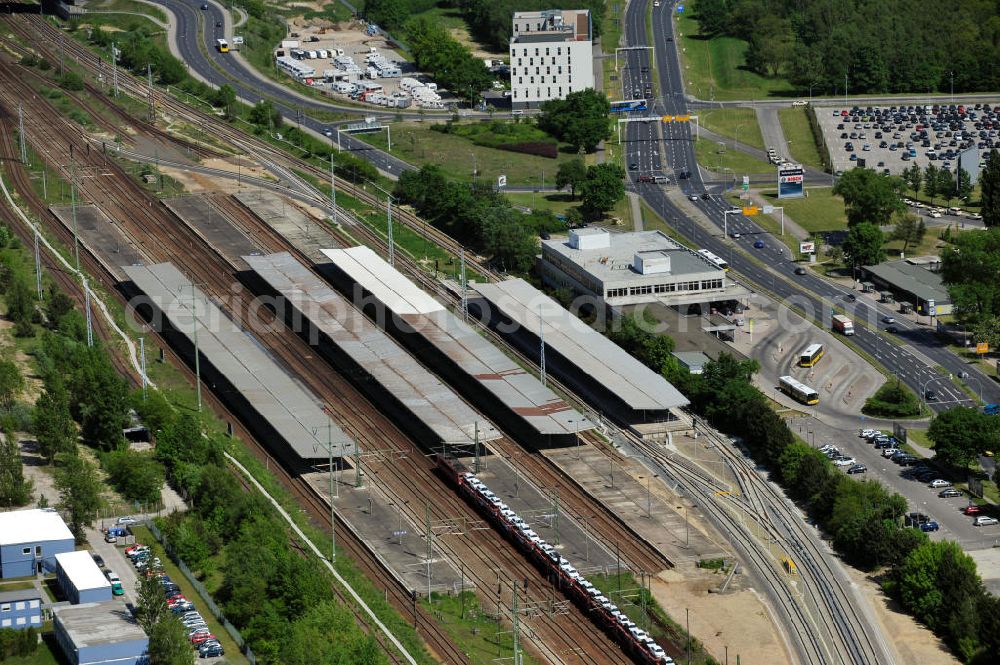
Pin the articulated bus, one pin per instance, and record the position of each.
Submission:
(222, 45)
(811, 355)
(798, 391)
(714, 259)
(628, 106)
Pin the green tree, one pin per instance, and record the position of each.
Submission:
(961, 434)
(225, 98)
(168, 643)
(71, 81)
(987, 329)
(931, 181)
(15, 489)
(989, 184)
(80, 493)
(149, 606)
(964, 187)
(581, 119)
(870, 197)
(771, 46)
(914, 179)
(864, 245)
(53, 424)
(910, 229)
(265, 116)
(137, 476)
(603, 188)
(946, 185)
(970, 267)
(11, 383)
(571, 174)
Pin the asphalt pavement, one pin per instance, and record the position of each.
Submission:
(913, 361)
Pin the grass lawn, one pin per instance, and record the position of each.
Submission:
(450, 18)
(714, 69)
(481, 637)
(798, 135)
(820, 211)
(719, 158)
(144, 536)
(457, 156)
(17, 585)
(740, 124)
(931, 244)
(556, 203)
(127, 6)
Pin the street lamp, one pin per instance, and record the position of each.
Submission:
(811, 86)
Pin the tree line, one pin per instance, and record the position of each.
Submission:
(891, 46)
(489, 21)
(935, 581)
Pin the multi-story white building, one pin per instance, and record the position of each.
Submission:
(551, 55)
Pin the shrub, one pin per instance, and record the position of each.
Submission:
(893, 400)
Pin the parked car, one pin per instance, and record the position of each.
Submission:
(857, 468)
(127, 519)
(200, 638)
(972, 509)
(951, 493)
(211, 651)
(929, 526)
(845, 461)
(940, 483)
(984, 520)
(110, 538)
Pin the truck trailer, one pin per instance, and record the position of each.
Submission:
(843, 325)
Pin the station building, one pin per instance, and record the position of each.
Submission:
(30, 540)
(620, 269)
(99, 634)
(20, 609)
(551, 55)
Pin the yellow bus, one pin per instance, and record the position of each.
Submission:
(811, 355)
(222, 45)
(798, 391)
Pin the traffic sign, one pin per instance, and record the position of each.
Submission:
(768, 210)
(751, 210)
(667, 118)
(982, 347)
(501, 181)
(399, 534)
(746, 183)
(683, 118)
(680, 9)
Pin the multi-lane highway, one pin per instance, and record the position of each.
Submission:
(912, 355)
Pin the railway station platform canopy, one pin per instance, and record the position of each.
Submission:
(586, 354)
(423, 396)
(514, 398)
(285, 406)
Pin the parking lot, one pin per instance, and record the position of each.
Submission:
(895, 137)
(946, 511)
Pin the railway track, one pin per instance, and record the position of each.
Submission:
(756, 515)
(557, 637)
(52, 42)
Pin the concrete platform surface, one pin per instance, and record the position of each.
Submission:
(211, 225)
(305, 233)
(101, 236)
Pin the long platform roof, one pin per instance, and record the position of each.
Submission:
(591, 352)
(427, 398)
(295, 413)
(518, 390)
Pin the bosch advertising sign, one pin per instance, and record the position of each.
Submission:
(790, 179)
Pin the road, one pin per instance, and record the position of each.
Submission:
(202, 58)
(912, 355)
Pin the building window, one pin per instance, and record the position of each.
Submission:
(548, 91)
(36, 619)
(548, 70)
(26, 551)
(5, 607)
(532, 79)
(5, 623)
(559, 71)
(712, 284)
(559, 50)
(546, 50)
(38, 550)
(19, 605)
(20, 621)
(536, 50)
(520, 79)
(33, 603)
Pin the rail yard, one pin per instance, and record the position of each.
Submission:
(448, 429)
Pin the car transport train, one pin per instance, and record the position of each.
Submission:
(633, 640)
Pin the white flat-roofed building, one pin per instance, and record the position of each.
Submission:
(30, 539)
(634, 268)
(80, 578)
(551, 55)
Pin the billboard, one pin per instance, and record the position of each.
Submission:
(807, 248)
(790, 180)
(968, 161)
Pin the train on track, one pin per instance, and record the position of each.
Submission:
(633, 640)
